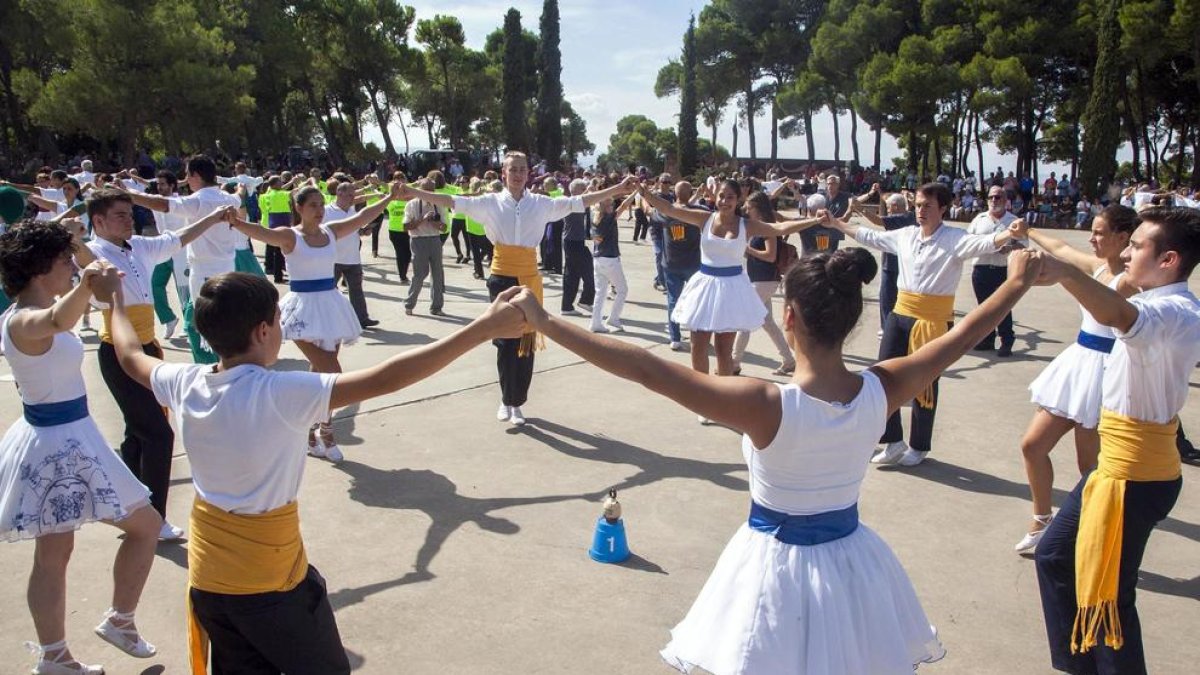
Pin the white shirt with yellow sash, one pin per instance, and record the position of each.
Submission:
(136, 261)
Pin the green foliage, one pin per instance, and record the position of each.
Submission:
(1100, 122)
(550, 93)
(687, 103)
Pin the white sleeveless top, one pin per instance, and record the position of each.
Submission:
(1089, 323)
(306, 263)
(819, 456)
(720, 252)
(47, 378)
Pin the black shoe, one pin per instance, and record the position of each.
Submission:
(985, 346)
(437, 312)
(1005, 350)
(370, 323)
(478, 276)
(279, 279)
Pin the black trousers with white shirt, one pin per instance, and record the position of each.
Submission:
(516, 372)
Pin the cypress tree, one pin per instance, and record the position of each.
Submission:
(687, 104)
(549, 105)
(1101, 126)
(512, 98)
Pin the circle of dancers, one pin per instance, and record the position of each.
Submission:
(802, 586)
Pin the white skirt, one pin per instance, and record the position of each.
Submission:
(719, 304)
(324, 318)
(845, 606)
(1071, 386)
(55, 479)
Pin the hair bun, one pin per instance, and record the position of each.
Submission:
(850, 267)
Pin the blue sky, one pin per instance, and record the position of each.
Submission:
(611, 53)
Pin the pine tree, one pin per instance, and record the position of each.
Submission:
(549, 106)
(687, 104)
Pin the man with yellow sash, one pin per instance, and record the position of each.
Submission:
(515, 221)
(256, 605)
(1088, 560)
(931, 256)
(146, 448)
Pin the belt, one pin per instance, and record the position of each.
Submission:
(817, 528)
(311, 285)
(732, 271)
(1096, 342)
(54, 414)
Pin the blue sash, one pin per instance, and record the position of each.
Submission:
(1095, 342)
(810, 530)
(312, 285)
(721, 271)
(54, 414)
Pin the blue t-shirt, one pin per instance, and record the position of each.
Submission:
(604, 237)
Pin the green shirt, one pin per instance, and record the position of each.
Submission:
(395, 215)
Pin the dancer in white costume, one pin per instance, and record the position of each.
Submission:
(1068, 391)
(802, 587)
(57, 472)
(314, 314)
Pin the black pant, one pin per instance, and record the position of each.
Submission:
(896, 329)
(887, 288)
(146, 448)
(986, 279)
(274, 262)
(458, 227)
(551, 247)
(291, 632)
(578, 268)
(481, 247)
(1145, 505)
(403, 252)
(354, 281)
(641, 225)
(516, 372)
(376, 225)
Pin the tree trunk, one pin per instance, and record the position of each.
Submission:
(1132, 128)
(808, 137)
(979, 156)
(429, 130)
(774, 130)
(751, 104)
(837, 137)
(854, 134)
(331, 141)
(382, 117)
(1075, 153)
(912, 151)
(1183, 139)
(878, 146)
(714, 145)
(734, 153)
(1196, 161)
(937, 153)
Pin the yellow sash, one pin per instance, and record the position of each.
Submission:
(520, 262)
(933, 314)
(142, 318)
(239, 554)
(1130, 450)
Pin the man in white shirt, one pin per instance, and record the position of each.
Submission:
(515, 221)
(931, 257)
(349, 258)
(214, 253)
(991, 269)
(1101, 530)
(425, 221)
(86, 175)
(167, 185)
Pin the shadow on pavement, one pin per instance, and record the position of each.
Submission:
(1157, 583)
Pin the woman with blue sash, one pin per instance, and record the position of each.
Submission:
(1067, 393)
(803, 587)
(57, 472)
(314, 314)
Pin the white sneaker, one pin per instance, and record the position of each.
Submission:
(517, 418)
(584, 305)
(891, 454)
(571, 312)
(703, 420)
(169, 328)
(678, 347)
(598, 329)
(1029, 542)
(169, 532)
(503, 413)
(879, 334)
(616, 326)
(912, 457)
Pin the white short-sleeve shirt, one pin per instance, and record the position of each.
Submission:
(347, 246)
(984, 223)
(244, 429)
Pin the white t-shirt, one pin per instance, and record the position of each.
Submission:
(218, 245)
(245, 429)
(984, 223)
(347, 246)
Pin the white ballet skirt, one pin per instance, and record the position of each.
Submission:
(843, 606)
(1071, 387)
(720, 304)
(324, 318)
(55, 479)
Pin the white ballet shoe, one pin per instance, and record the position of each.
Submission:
(1029, 542)
(169, 328)
(891, 453)
(315, 449)
(169, 532)
(124, 638)
(325, 437)
(60, 663)
(912, 457)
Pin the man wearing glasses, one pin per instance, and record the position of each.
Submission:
(992, 269)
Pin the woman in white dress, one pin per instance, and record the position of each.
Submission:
(802, 587)
(719, 300)
(314, 314)
(1067, 392)
(57, 472)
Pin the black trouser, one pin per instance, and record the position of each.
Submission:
(578, 268)
(481, 247)
(551, 247)
(354, 281)
(291, 632)
(887, 287)
(641, 225)
(516, 372)
(376, 225)
(987, 279)
(273, 260)
(458, 227)
(146, 448)
(896, 330)
(403, 252)
(1146, 503)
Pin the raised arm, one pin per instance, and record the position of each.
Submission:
(33, 330)
(625, 187)
(282, 237)
(152, 202)
(136, 363)
(694, 217)
(500, 320)
(906, 377)
(409, 193)
(746, 404)
(1060, 249)
(42, 202)
(1107, 306)
(757, 228)
(351, 225)
(192, 232)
